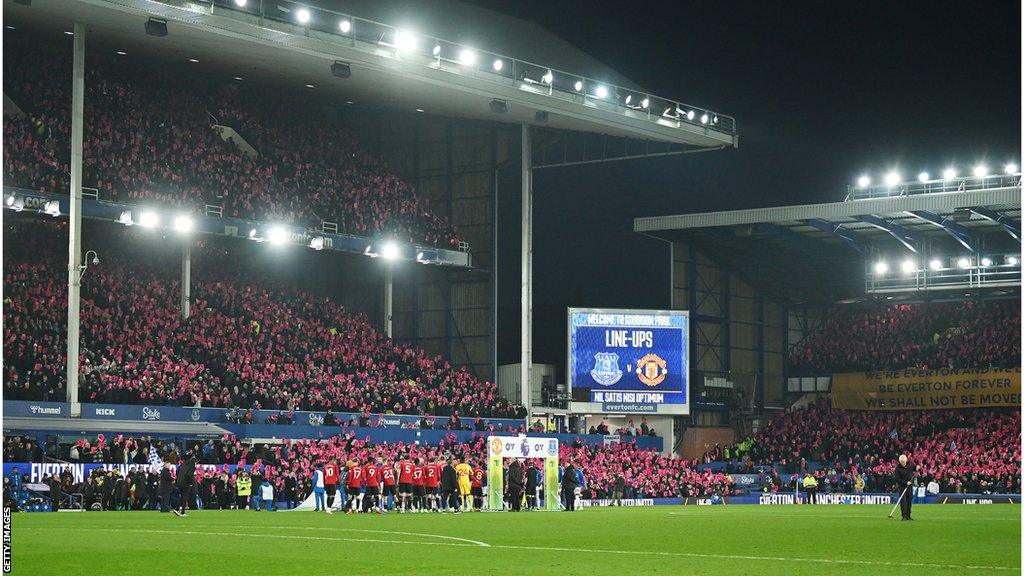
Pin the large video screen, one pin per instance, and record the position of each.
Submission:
(631, 361)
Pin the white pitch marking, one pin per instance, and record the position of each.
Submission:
(558, 549)
(425, 535)
(776, 515)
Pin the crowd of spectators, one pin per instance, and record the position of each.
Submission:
(250, 342)
(968, 334)
(149, 139)
(969, 450)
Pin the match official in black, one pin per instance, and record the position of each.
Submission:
(904, 475)
(569, 487)
(515, 485)
(186, 482)
(449, 487)
(166, 484)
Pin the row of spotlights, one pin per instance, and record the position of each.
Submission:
(893, 178)
(910, 266)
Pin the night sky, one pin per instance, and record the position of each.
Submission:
(821, 93)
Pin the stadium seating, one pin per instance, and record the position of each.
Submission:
(149, 139)
(975, 450)
(250, 342)
(969, 334)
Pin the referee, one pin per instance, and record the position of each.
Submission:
(904, 475)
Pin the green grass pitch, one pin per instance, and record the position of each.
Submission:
(732, 540)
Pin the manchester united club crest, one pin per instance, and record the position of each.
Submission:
(606, 368)
(651, 370)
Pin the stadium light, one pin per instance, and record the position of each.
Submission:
(980, 171)
(498, 65)
(148, 219)
(690, 115)
(864, 181)
(629, 98)
(10, 200)
(881, 267)
(892, 178)
(986, 262)
(1010, 169)
(548, 77)
(241, 3)
(963, 263)
(302, 15)
(252, 234)
(935, 264)
(389, 251)
(436, 50)
(405, 41)
(948, 174)
(277, 235)
(600, 92)
(183, 224)
(578, 86)
(922, 177)
(645, 103)
(125, 218)
(704, 118)
(345, 26)
(52, 208)
(467, 57)
(908, 267)
(1012, 261)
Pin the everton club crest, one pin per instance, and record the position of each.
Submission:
(651, 370)
(606, 368)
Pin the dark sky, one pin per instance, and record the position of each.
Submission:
(821, 92)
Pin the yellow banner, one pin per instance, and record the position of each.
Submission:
(916, 389)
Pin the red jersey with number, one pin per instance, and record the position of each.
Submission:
(417, 476)
(405, 471)
(387, 474)
(331, 474)
(433, 475)
(355, 477)
(372, 475)
(477, 477)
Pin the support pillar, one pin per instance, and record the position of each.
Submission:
(75, 221)
(388, 297)
(186, 279)
(526, 310)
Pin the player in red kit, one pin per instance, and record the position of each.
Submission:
(418, 489)
(387, 478)
(353, 484)
(371, 494)
(331, 482)
(405, 471)
(477, 483)
(431, 481)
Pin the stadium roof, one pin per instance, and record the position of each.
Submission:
(264, 42)
(817, 253)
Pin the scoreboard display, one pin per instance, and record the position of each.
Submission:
(631, 361)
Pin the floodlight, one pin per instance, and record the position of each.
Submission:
(389, 251)
(892, 178)
(241, 3)
(948, 174)
(600, 92)
(1012, 260)
(864, 181)
(922, 177)
(10, 200)
(405, 41)
(980, 171)
(51, 208)
(690, 115)
(436, 50)
(467, 57)
(548, 77)
(498, 65)
(963, 263)
(1010, 169)
(629, 98)
(704, 119)
(302, 15)
(252, 234)
(881, 267)
(986, 262)
(578, 86)
(277, 235)
(908, 267)
(935, 264)
(148, 219)
(645, 102)
(345, 26)
(183, 224)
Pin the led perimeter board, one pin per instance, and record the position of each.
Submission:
(631, 361)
